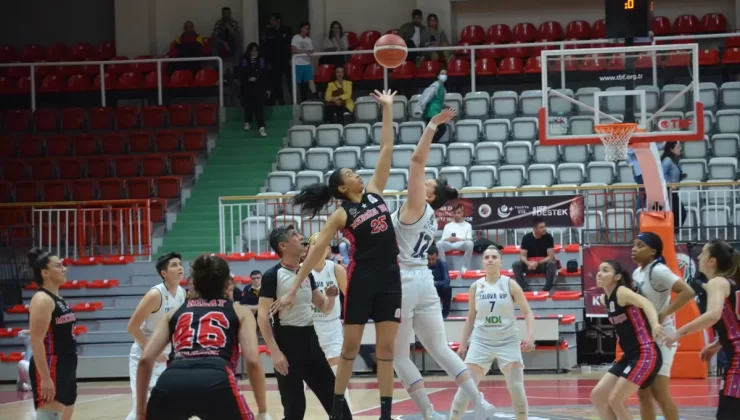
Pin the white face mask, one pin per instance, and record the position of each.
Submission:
(442, 78)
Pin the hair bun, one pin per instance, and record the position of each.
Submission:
(33, 255)
(452, 193)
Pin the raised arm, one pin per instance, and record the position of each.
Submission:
(383, 167)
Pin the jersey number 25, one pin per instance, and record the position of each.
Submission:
(209, 332)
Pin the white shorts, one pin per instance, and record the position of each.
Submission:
(483, 354)
(331, 337)
(418, 293)
(133, 367)
(667, 354)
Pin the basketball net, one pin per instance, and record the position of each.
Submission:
(616, 138)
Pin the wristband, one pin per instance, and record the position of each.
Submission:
(432, 126)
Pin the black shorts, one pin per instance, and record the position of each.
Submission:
(640, 366)
(373, 292)
(729, 395)
(63, 372)
(206, 389)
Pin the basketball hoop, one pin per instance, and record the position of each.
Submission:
(616, 138)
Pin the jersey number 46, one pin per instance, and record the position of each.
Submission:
(209, 332)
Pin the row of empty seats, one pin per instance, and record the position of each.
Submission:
(82, 51)
(91, 189)
(107, 118)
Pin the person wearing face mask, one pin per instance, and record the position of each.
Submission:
(432, 102)
(254, 87)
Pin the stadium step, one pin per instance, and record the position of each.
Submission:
(238, 165)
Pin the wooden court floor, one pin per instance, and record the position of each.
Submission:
(551, 397)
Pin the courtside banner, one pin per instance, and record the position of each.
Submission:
(594, 255)
(517, 212)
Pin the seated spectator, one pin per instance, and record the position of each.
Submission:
(255, 85)
(232, 292)
(226, 35)
(437, 38)
(457, 236)
(338, 97)
(414, 33)
(337, 41)
(441, 279)
(537, 255)
(188, 44)
(302, 44)
(251, 294)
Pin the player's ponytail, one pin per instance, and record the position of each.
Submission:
(443, 193)
(314, 197)
(38, 260)
(210, 276)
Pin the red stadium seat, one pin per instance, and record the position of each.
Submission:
(485, 67)
(57, 52)
(181, 115)
(324, 73)
(521, 52)
(578, 29)
(8, 54)
(167, 141)
(182, 163)
(645, 61)
(510, 65)
(52, 84)
(139, 142)
(110, 82)
(42, 169)
(17, 72)
(151, 81)
(139, 188)
(686, 24)
(524, 32)
(111, 189)
(551, 31)
(598, 31)
(7, 146)
(67, 71)
(363, 59)
(7, 85)
(405, 71)
(45, 119)
(118, 68)
(593, 63)
(458, 68)
(616, 62)
(99, 167)
(144, 68)
(660, 26)
(374, 72)
(181, 79)
(206, 115)
(498, 34)
(154, 116)
(86, 145)
(708, 57)
(126, 166)
(105, 51)
(58, 145)
(5, 191)
(733, 41)
(19, 120)
(473, 34)
(44, 71)
(353, 71)
(55, 191)
(352, 39)
(81, 52)
(23, 85)
(731, 56)
(714, 23)
(73, 119)
(168, 186)
(428, 70)
(535, 51)
(155, 165)
(533, 66)
(91, 70)
(101, 118)
(113, 144)
(677, 60)
(26, 192)
(70, 168)
(369, 37)
(194, 140)
(206, 78)
(78, 83)
(207, 50)
(130, 81)
(14, 170)
(127, 117)
(84, 190)
(31, 146)
(463, 53)
(32, 53)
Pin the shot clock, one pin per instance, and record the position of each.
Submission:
(628, 18)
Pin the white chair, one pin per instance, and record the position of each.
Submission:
(541, 174)
(575, 153)
(669, 92)
(320, 158)
(695, 149)
(365, 175)
(469, 131)
(280, 181)
(302, 136)
(518, 152)
(399, 107)
(412, 106)
(581, 126)
(558, 105)
(472, 192)
(652, 98)
(497, 130)
(546, 154)
(715, 216)
(488, 153)
(557, 126)
(482, 176)
(392, 199)
(347, 157)
(431, 173)
(525, 128)
(269, 208)
(410, 132)
(615, 104)
(619, 222)
(311, 225)
(723, 145)
(456, 176)
(312, 112)
(437, 155)
(476, 105)
(586, 96)
(398, 179)
(729, 95)
(460, 154)
(291, 159)
(728, 121)
(358, 134)
(530, 102)
(287, 220)
(709, 95)
(454, 101)
(329, 135)
(254, 232)
(512, 176)
(401, 157)
(571, 173)
(625, 173)
(366, 109)
(370, 157)
(708, 121)
(504, 104)
(533, 191)
(378, 129)
(304, 178)
(601, 172)
(723, 168)
(695, 169)
(593, 227)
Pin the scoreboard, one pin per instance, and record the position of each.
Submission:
(628, 18)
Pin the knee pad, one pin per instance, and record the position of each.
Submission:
(407, 371)
(48, 415)
(515, 384)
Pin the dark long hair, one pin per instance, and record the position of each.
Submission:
(38, 260)
(443, 193)
(668, 151)
(341, 29)
(728, 259)
(314, 197)
(251, 46)
(210, 275)
(626, 279)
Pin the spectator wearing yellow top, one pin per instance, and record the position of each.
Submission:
(188, 44)
(338, 97)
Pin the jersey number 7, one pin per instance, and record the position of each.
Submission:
(209, 332)
(493, 303)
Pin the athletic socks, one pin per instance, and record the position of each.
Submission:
(337, 410)
(421, 399)
(385, 408)
(346, 392)
(471, 391)
(459, 405)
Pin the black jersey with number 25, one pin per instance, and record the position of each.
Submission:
(370, 230)
(205, 329)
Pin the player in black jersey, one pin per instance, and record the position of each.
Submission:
(205, 332)
(719, 302)
(373, 275)
(53, 367)
(636, 323)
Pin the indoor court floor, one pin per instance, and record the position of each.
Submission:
(551, 397)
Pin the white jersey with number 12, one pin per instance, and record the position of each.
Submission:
(414, 239)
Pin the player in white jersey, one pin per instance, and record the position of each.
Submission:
(421, 313)
(495, 336)
(150, 312)
(656, 281)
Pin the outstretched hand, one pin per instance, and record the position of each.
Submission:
(448, 114)
(384, 98)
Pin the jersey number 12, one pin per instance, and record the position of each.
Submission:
(422, 245)
(209, 332)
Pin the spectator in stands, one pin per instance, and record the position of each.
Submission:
(254, 87)
(226, 34)
(432, 102)
(188, 44)
(276, 42)
(338, 97)
(414, 33)
(437, 38)
(537, 255)
(251, 294)
(344, 247)
(337, 41)
(673, 175)
(457, 236)
(24, 380)
(302, 44)
(232, 292)
(637, 174)
(441, 279)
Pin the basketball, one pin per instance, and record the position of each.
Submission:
(390, 51)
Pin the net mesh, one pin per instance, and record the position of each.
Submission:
(616, 138)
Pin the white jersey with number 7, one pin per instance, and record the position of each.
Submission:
(495, 317)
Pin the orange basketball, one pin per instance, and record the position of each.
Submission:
(390, 51)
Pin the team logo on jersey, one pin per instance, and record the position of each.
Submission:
(353, 212)
(372, 199)
(62, 305)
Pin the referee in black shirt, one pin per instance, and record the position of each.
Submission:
(291, 339)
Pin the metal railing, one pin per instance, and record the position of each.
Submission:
(101, 73)
(473, 48)
(611, 215)
(83, 229)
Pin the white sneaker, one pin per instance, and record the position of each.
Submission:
(433, 415)
(263, 133)
(246, 127)
(23, 387)
(485, 411)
